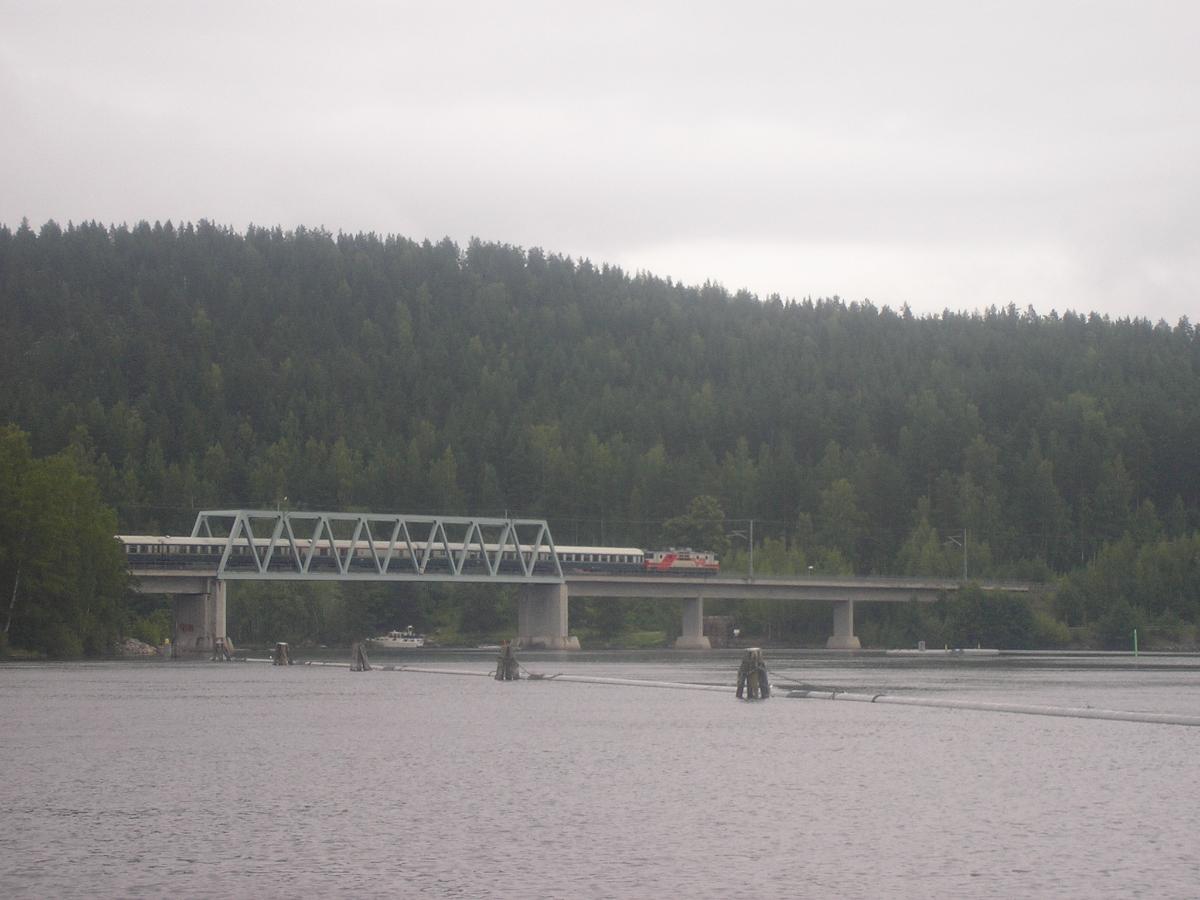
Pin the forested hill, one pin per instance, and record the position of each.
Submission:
(195, 366)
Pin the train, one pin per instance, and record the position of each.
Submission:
(162, 551)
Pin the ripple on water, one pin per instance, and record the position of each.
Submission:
(230, 780)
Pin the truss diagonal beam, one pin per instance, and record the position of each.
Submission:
(276, 545)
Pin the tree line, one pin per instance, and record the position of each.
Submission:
(194, 366)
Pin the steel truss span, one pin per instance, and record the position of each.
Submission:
(275, 545)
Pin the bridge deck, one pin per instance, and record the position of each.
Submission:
(631, 586)
(777, 588)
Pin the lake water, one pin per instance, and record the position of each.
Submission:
(223, 780)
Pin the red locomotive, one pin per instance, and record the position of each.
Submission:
(685, 561)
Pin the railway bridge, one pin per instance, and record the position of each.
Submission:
(258, 545)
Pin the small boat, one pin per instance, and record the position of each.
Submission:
(402, 640)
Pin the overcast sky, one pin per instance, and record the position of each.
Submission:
(944, 154)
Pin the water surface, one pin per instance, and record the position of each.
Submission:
(203, 779)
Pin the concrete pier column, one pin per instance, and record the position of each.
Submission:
(200, 618)
(193, 624)
(542, 618)
(692, 636)
(217, 593)
(843, 627)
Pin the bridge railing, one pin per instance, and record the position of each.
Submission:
(932, 582)
(275, 544)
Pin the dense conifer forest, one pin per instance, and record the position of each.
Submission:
(193, 366)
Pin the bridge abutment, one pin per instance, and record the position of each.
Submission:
(843, 637)
(692, 635)
(542, 618)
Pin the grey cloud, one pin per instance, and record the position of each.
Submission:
(1044, 150)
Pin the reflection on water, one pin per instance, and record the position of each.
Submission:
(229, 780)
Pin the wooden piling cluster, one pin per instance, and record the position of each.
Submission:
(358, 658)
(507, 667)
(753, 683)
(222, 650)
(282, 656)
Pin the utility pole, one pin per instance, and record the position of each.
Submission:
(751, 549)
(748, 537)
(964, 553)
(963, 544)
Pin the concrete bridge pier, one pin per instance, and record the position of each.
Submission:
(843, 637)
(200, 618)
(692, 636)
(542, 618)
